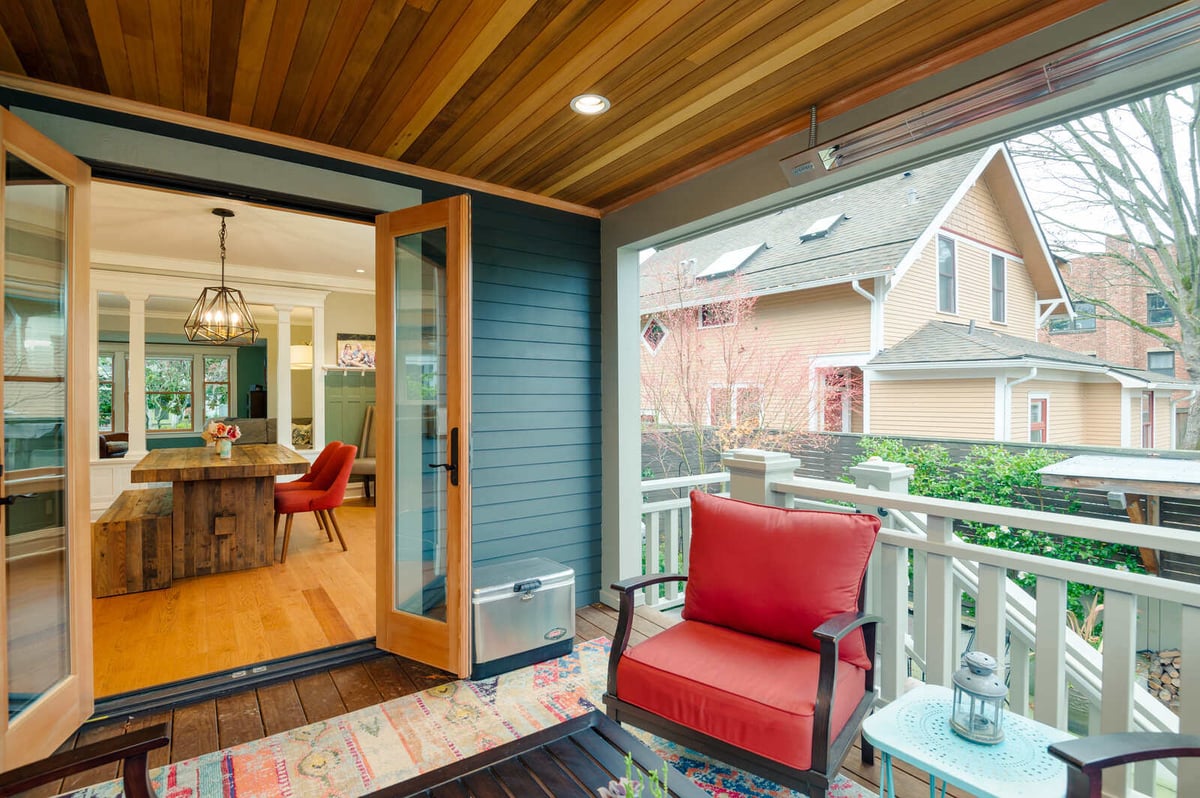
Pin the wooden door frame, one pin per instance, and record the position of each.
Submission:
(424, 639)
(57, 714)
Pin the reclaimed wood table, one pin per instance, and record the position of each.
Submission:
(571, 760)
(223, 509)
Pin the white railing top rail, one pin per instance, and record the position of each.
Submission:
(672, 483)
(1182, 541)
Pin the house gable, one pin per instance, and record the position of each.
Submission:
(987, 217)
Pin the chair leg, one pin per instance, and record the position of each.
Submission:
(287, 536)
(333, 522)
(319, 514)
(868, 750)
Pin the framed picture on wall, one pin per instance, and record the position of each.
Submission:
(355, 350)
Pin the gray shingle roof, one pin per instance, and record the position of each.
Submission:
(882, 220)
(946, 342)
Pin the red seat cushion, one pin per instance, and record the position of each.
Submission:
(777, 573)
(757, 694)
(296, 501)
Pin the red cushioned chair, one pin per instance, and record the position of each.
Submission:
(305, 481)
(770, 669)
(326, 493)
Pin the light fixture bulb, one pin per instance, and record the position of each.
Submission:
(590, 104)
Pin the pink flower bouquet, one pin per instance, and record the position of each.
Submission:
(218, 430)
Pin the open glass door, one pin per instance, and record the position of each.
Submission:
(423, 400)
(45, 588)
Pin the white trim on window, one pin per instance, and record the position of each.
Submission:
(1044, 400)
(952, 276)
(1003, 290)
(653, 349)
(700, 316)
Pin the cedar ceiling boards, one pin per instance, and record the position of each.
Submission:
(480, 89)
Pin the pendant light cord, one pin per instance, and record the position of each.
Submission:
(221, 238)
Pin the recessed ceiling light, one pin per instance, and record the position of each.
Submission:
(590, 104)
(361, 271)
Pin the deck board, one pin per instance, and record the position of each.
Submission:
(210, 725)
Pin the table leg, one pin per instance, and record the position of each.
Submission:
(886, 777)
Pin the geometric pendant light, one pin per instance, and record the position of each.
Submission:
(220, 315)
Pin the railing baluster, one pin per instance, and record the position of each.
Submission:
(671, 551)
(920, 589)
(1050, 647)
(1018, 677)
(942, 611)
(1116, 704)
(894, 595)
(1189, 710)
(990, 606)
(652, 566)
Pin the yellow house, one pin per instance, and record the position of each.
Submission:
(912, 304)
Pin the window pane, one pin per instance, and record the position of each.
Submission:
(720, 411)
(105, 368)
(168, 411)
(216, 402)
(169, 374)
(999, 288)
(216, 369)
(946, 276)
(1085, 318)
(1157, 311)
(1163, 362)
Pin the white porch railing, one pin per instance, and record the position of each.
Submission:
(667, 530)
(1045, 654)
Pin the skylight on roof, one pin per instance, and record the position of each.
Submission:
(821, 227)
(729, 261)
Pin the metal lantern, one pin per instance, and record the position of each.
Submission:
(977, 712)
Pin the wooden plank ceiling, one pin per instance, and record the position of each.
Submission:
(480, 88)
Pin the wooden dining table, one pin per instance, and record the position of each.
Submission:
(222, 509)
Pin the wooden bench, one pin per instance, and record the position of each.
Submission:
(131, 544)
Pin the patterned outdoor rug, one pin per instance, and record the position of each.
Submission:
(373, 747)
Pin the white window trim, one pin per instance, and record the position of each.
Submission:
(666, 334)
(975, 243)
(937, 273)
(700, 325)
(992, 287)
(1036, 396)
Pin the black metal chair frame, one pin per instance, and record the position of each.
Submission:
(132, 748)
(1087, 757)
(827, 755)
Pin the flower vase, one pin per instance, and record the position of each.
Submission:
(224, 448)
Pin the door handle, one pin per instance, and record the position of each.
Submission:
(452, 466)
(12, 497)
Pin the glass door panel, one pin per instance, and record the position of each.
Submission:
(47, 401)
(423, 509)
(419, 484)
(36, 563)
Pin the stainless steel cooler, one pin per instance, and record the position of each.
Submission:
(522, 611)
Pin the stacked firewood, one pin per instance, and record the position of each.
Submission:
(1162, 679)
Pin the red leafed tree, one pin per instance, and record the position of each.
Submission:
(714, 380)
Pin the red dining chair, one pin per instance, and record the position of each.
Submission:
(325, 495)
(305, 481)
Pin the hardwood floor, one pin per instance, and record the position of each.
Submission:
(211, 725)
(321, 596)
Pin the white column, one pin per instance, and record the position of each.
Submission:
(318, 377)
(282, 392)
(136, 420)
(752, 472)
(94, 380)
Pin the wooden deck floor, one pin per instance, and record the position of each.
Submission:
(211, 725)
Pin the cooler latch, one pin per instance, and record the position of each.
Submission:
(526, 588)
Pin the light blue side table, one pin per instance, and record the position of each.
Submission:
(916, 728)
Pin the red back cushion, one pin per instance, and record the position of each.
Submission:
(777, 573)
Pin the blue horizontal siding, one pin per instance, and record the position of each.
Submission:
(535, 472)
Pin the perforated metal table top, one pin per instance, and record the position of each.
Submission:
(916, 728)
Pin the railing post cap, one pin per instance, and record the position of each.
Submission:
(877, 466)
(755, 456)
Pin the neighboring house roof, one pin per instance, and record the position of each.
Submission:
(943, 343)
(872, 230)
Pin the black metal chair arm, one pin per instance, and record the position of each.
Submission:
(633, 583)
(1087, 757)
(131, 747)
(837, 627)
